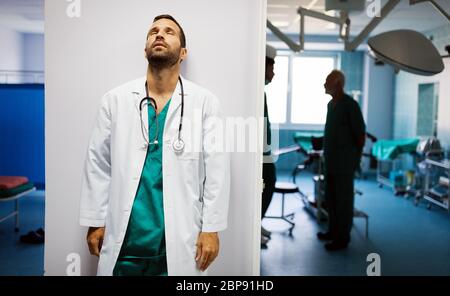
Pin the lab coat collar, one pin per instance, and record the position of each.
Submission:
(139, 91)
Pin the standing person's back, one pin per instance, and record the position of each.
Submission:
(343, 126)
(343, 143)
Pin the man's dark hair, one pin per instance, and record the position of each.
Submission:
(169, 17)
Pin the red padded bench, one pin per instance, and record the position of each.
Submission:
(11, 189)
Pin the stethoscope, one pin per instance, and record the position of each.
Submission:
(178, 143)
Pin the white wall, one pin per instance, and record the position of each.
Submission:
(33, 52)
(444, 106)
(87, 56)
(406, 103)
(378, 98)
(10, 50)
(20, 52)
(407, 91)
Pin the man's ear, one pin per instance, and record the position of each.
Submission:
(183, 54)
(145, 52)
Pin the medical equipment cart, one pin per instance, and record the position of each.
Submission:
(437, 183)
(388, 154)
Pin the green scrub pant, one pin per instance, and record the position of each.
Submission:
(339, 196)
(141, 267)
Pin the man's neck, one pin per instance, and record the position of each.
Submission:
(162, 81)
(338, 95)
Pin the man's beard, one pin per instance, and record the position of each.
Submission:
(159, 61)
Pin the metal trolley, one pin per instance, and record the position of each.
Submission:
(436, 190)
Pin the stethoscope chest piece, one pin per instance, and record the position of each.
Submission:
(178, 145)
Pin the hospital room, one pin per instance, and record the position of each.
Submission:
(355, 164)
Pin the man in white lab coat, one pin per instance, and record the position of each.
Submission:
(154, 192)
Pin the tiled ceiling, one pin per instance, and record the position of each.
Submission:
(420, 17)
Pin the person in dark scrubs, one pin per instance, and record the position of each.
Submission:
(269, 173)
(344, 139)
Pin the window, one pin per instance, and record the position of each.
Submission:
(296, 97)
(427, 111)
(277, 90)
(309, 101)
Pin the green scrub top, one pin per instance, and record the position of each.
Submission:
(343, 127)
(143, 250)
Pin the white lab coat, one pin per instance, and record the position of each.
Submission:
(195, 182)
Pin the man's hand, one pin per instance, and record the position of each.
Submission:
(95, 239)
(207, 249)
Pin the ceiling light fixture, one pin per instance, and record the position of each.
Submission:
(404, 49)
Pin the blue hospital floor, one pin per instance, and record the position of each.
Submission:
(410, 240)
(17, 258)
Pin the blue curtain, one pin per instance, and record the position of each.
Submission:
(22, 144)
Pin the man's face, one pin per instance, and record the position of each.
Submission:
(269, 71)
(331, 84)
(163, 47)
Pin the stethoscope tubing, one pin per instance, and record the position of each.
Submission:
(178, 144)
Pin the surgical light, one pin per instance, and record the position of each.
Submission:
(407, 50)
